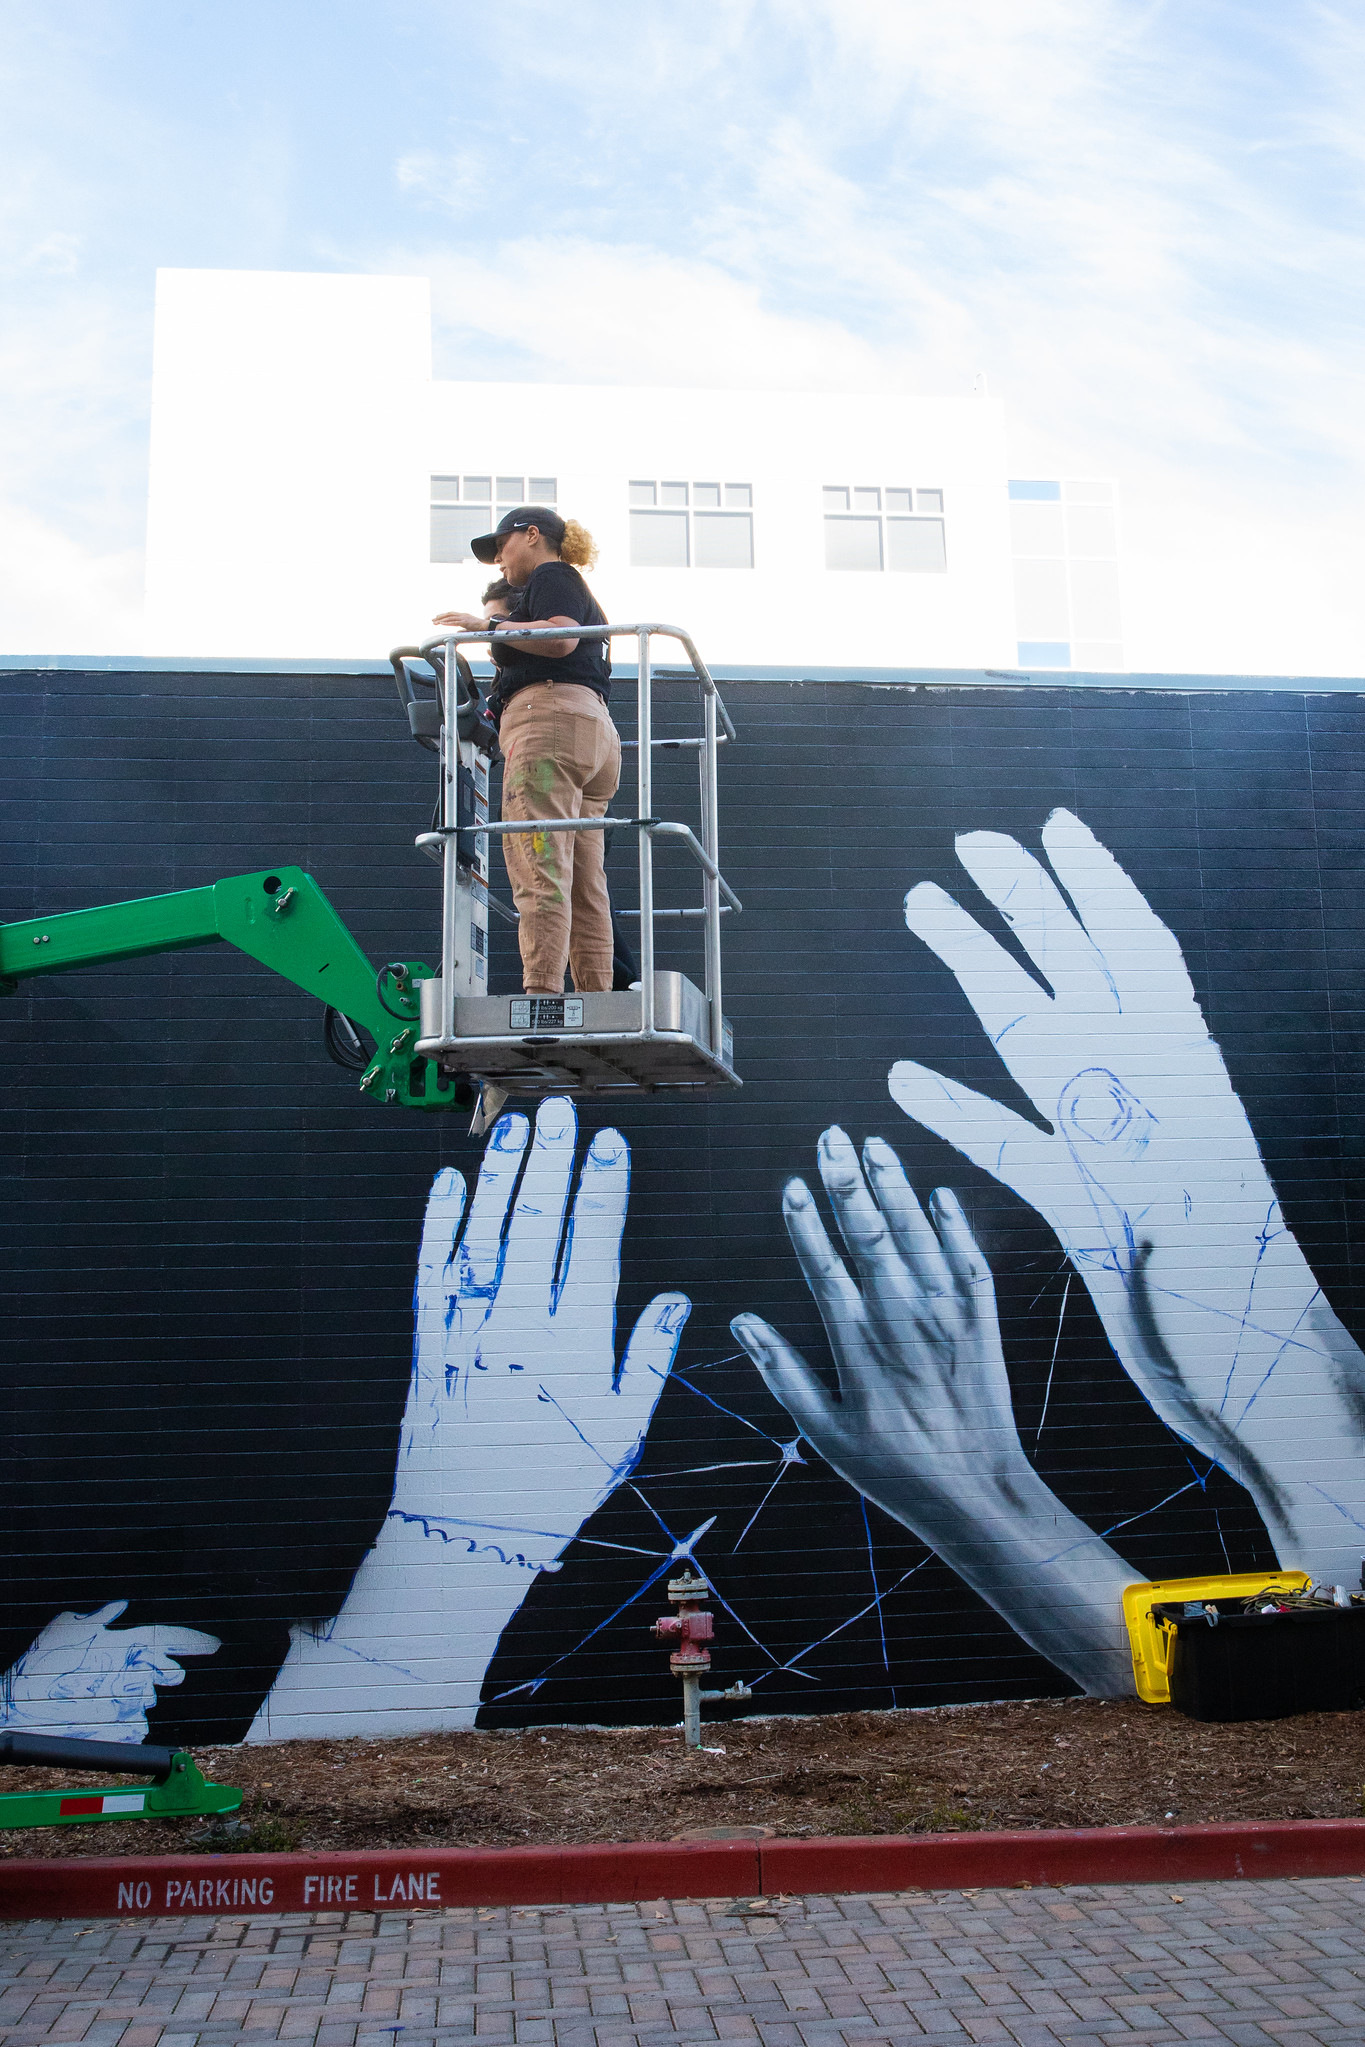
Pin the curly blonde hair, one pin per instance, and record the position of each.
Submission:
(578, 548)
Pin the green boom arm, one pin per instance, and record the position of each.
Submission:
(281, 918)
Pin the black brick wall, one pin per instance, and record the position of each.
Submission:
(210, 1237)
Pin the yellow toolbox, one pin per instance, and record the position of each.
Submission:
(1151, 1641)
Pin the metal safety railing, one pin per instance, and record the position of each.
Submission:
(704, 850)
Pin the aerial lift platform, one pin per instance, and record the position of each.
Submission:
(663, 1035)
(439, 1039)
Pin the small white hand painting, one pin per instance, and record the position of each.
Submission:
(85, 1679)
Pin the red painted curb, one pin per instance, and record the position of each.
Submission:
(1084, 1855)
(387, 1879)
(616, 1873)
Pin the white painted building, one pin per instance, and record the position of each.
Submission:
(313, 490)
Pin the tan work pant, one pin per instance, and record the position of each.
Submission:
(561, 758)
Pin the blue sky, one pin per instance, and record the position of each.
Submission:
(1142, 221)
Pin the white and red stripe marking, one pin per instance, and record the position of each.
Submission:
(82, 1806)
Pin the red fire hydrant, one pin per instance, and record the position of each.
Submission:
(688, 1628)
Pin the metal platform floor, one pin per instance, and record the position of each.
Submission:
(583, 1043)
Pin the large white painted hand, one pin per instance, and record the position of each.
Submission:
(516, 1397)
(96, 1683)
(923, 1421)
(1145, 1165)
(519, 1423)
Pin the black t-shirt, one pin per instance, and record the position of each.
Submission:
(554, 591)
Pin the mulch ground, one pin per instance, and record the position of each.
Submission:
(1056, 1763)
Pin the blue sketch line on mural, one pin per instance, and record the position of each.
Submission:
(1096, 1108)
(684, 1548)
(1127, 1522)
(1344, 1511)
(739, 1622)
(791, 1668)
(876, 1592)
(1108, 1114)
(533, 1684)
(620, 1467)
(680, 1553)
(1056, 1342)
(700, 1470)
(1287, 1344)
(507, 1140)
(1264, 1239)
(791, 1454)
(1286, 1340)
(561, 1271)
(681, 1379)
(1203, 1484)
(683, 1551)
(650, 1508)
(323, 1632)
(437, 1524)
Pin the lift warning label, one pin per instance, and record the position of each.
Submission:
(546, 1013)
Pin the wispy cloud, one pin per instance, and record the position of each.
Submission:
(577, 310)
(453, 182)
(1141, 219)
(1129, 216)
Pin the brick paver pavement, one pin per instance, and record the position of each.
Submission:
(1250, 1963)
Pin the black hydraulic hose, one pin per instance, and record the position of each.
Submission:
(345, 1046)
(63, 1752)
(400, 974)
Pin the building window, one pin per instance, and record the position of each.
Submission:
(678, 525)
(1064, 536)
(462, 507)
(870, 526)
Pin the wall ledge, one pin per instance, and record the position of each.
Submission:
(871, 678)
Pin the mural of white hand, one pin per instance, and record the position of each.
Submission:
(923, 1423)
(515, 1361)
(1150, 1175)
(96, 1683)
(519, 1423)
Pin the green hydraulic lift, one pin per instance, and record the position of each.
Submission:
(281, 918)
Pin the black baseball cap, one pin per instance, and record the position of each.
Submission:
(549, 523)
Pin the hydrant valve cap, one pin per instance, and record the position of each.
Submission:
(688, 1588)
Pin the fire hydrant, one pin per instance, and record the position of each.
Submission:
(689, 1627)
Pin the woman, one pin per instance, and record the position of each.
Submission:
(561, 753)
(497, 600)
